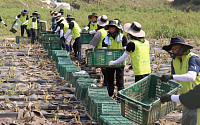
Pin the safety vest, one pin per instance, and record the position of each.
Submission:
(93, 27)
(140, 58)
(182, 68)
(76, 30)
(66, 26)
(23, 18)
(198, 116)
(104, 33)
(29, 26)
(115, 44)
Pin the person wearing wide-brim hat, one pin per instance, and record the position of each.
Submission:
(114, 40)
(96, 42)
(38, 15)
(92, 25)
(138, 49)
(55, 18)
(75, 30)
(23, 17)
(185, 70)
(61, 11)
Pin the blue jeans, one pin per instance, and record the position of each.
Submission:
(189, 117)
(22, 30)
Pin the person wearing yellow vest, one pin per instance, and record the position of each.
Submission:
(32, 26)
(23, 17)
(138, 49)
(184, 70)
(75, 30)
(98, 38)
(114, 40)
(92, 25)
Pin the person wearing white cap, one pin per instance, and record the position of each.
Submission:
(98, 38)
(114, 40)
(23, 17)
(3, 22)
(138, 49)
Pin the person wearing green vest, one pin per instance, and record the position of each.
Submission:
(23, 17)
(184, 70)
(3, 22)
(138, 49)
(75, 30)
(32, 26)
(96, 42)
(114, 40)
(92, 25)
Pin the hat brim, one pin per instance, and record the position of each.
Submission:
(107, 26)
(100, 23)
(128, 29)
(61, 19)
(90, 16)
(168, 47)
(24, 12)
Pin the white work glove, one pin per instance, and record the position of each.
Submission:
(111, 63)
(92, 31)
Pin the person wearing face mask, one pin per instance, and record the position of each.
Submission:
(23, 17)
(138, 49)
(114, 40)
(92, 26)
(184, 70)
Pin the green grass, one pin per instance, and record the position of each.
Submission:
(158, 19)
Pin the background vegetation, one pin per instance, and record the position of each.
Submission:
(158, 17)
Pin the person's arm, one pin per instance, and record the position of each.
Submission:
(61, 30)
(18, 16)
(57, 29)
(124, 41)
(87, 27)
(2, 22)
(96, 39)
(33, 22)
(71, 26)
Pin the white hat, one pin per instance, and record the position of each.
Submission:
(134, 29)
(102, 20)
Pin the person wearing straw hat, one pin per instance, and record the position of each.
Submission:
(38, 15)
(96, 42)
(114, 40)
(185, 70)
(2, 21)
(92, 25)
(138, 49)
(32, 26)
(75, 30)
(61, 11)
(23, 17)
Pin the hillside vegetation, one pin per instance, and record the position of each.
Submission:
(157, 17)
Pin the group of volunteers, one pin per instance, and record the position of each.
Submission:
(108, 34)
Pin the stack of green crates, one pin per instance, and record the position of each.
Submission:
(102, 57)
(86, 37)
(76, 76)
(82, 85)
(69, 71)
(63, 54)
(62, 69)
(114, 120)
(46, 42)
(140, 102)
(54, 52)
(110, 109)
(63, 61)
(55, 44)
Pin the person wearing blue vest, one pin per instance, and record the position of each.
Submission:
(96, 42)
(114, 40)
(53, 25)
(92, 25)
(75, 30)
(138, 49)
(184, 70)
(32, 26)
(3, 22)
(23, 17)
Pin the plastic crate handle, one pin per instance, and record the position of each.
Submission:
(136, 104)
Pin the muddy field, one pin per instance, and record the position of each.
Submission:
(32, 92)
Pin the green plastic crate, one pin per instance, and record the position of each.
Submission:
(69, 71)
(42, 25)
(140, 102)
(55, 45)
(62, 69)
(16, 26)
(86, 38)
(102, 57)
(63, 61)
(110, 109)
(23, 40)
(63, 54)
(54, 52)
(114, 120)
(76, 76)
(82, 86)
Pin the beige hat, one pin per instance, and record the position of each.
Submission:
(102, 20)
(134, 29)
(58, 17)
(113, 23)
